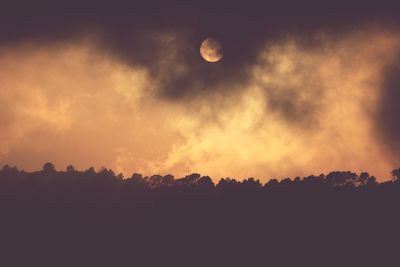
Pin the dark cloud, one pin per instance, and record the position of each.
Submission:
(172, 57)
(227, 18)
(387, 119)
(295, 109)
(127, 30)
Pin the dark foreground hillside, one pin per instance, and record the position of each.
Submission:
(89, 218)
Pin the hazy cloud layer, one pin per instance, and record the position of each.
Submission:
(300, 81)
(301, 110)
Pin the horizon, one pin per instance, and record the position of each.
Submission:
(70, 169)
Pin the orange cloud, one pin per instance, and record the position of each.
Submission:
(305, 109)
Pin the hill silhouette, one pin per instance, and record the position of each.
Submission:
(97, 218)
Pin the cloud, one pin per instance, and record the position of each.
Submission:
(152, 34)
(387, 115)
(299, 90)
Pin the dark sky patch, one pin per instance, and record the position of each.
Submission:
(388, 114)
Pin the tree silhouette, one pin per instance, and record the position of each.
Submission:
(396, 175)
(342, 178)
(49, 167)
(86, 216)
(70, 169)
(204, 182)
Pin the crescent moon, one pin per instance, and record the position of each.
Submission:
(211, 50)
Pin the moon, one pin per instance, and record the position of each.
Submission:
(211, 50)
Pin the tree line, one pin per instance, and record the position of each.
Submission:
(99, 218)
(49, 176)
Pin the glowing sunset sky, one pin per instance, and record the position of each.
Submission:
(286, 100)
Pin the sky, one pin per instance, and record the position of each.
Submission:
(303, 88)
